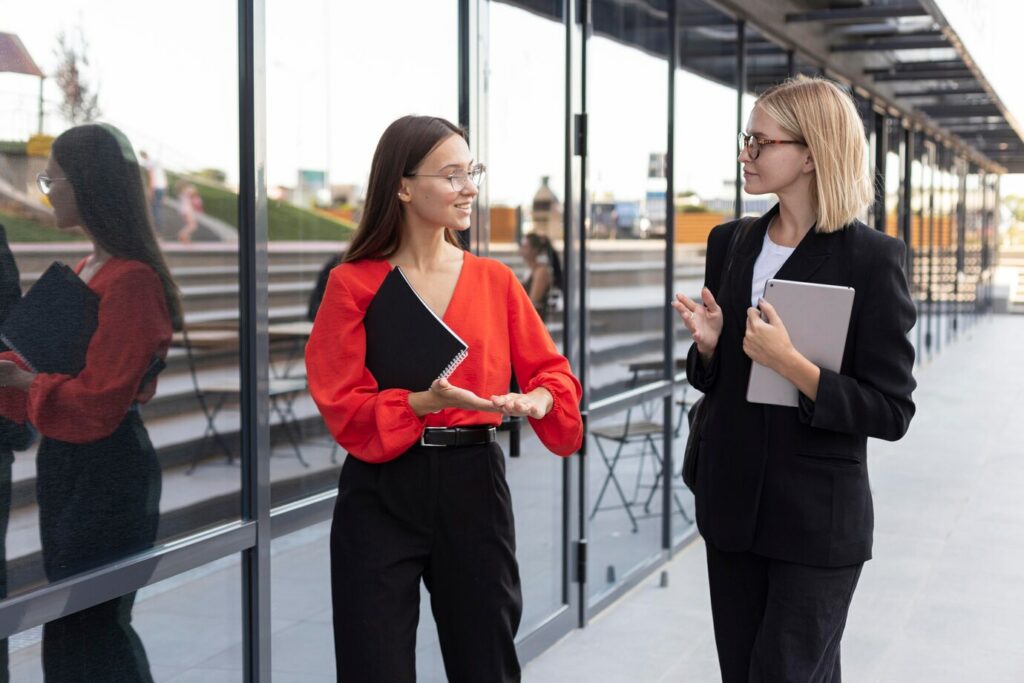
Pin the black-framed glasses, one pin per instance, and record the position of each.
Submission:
(458, 178)
(45, 182)
(753, 144)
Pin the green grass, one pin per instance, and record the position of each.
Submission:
(13, 147)
(27, 230)
(287, 222)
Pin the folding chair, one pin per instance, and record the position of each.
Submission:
(644, 432)
(212, 399)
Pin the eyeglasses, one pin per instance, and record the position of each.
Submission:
(45, 183)
(754, 144)
(458, 178)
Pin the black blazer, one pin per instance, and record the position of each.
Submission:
(792, 483)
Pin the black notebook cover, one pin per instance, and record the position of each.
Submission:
(407, 345)
(51, 326)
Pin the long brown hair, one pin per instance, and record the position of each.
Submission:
(401, 149)
(100, 164)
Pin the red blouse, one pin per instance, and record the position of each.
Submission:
(492, 313)
(133, 326)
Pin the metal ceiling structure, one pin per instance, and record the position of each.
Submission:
(901, 57)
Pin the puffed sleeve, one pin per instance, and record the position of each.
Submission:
(537, 363)
(873, 395)
(132, 326)
(372, 425)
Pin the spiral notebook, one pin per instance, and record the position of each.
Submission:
(407, 345)
(51, 326)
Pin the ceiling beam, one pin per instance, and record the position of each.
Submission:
(950, 111)
(855, 14)
(915, 67)
(941, 92)
(940, 75)
(893, 43)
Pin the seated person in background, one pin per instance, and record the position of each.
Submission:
(317, 295)
(544, 271)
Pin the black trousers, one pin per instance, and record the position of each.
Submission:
(443, 515)
(778, 621)
(98, 502)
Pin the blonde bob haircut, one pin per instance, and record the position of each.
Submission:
(824, 117)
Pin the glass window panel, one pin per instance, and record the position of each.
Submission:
(626, 197)
(186, 628)
(526, 191)
(156, 188)
(624, 495)
(705, 145)
(526, 183)
(327, 106)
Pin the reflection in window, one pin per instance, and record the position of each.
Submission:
(123, 164)
(327, 105)
(188, 627)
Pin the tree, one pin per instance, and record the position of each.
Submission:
(1015, 203)
(80, 103)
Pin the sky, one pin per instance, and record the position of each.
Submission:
(338, 73)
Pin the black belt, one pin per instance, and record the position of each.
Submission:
(457, 436)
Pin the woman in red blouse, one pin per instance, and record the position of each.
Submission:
(423, 494)
(98, 478)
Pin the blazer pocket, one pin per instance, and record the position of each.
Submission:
(847, 459)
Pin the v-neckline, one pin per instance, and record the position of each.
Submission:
(455, 292)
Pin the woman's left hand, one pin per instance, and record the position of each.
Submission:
(535, 404)
(13, 377)
(768, 342)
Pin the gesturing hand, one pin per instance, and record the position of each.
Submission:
(451, 396)
(535, 404)
(704, 320)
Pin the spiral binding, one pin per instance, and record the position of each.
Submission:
(456, 362)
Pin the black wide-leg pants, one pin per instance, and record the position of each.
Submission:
(99, 502)
(443, 515)
(778, 621)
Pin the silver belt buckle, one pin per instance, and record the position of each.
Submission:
(430, 445)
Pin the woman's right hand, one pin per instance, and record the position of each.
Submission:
(443, 394)
(704, 320)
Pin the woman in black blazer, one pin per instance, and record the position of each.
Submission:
(782, 494)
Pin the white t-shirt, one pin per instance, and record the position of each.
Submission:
(768, 263)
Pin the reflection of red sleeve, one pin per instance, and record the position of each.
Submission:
(537, 363)
(133, 326)
(376, 425)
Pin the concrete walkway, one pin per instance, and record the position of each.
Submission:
(943, 598)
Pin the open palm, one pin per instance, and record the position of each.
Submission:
(703, 319)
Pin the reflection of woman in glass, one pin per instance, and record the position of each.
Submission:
(544, 271)
(98, 478)
(423, 494)
(782, 493)
(13, 437)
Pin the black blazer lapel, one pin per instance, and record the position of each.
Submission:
(810, 255)
(741, 276)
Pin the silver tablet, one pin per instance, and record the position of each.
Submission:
(817, 318)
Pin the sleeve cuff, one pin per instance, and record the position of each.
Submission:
(808, 410)
(553, 387)
(700, 377)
